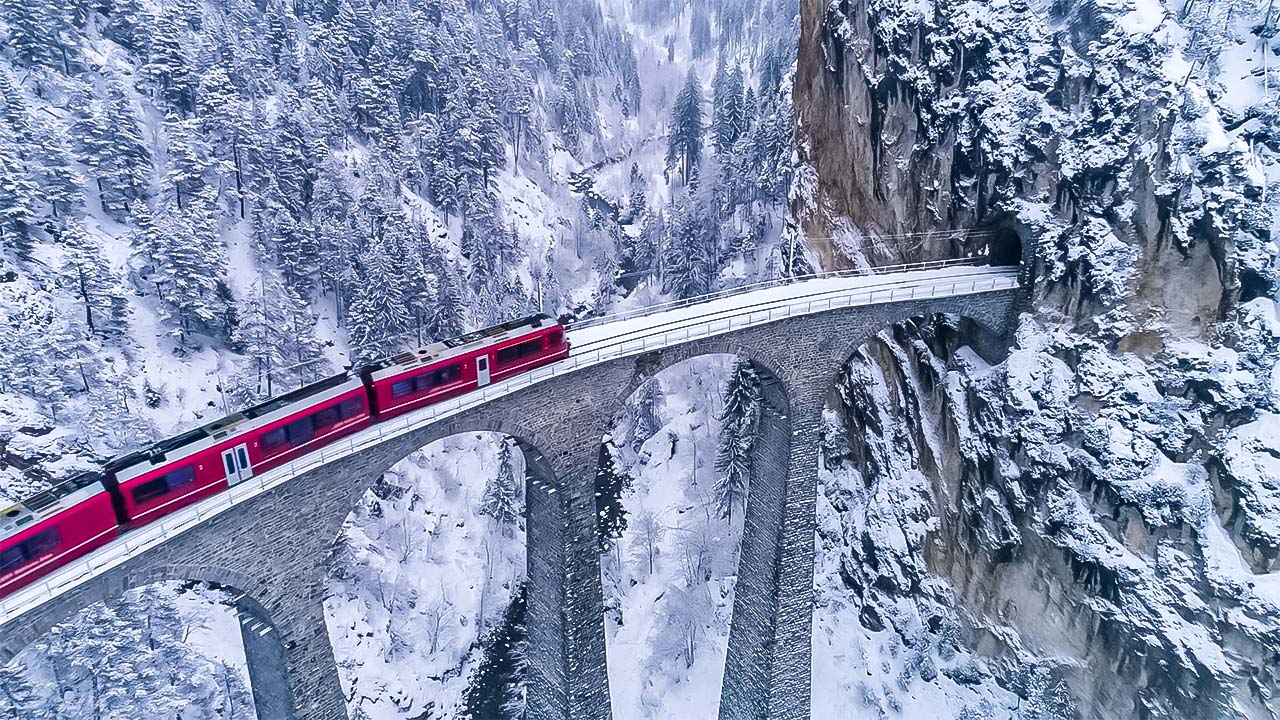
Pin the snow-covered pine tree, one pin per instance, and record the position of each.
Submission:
(449, 312)
(739, 421)
(728, 109)
(60, 183)
(18, 193)
(13, 112)
(84, 270)
(377, 311)
(19, 699)
(260, 339)
(31, 30)
(684, 138)
(612, 483)
(501, 496)
(129, 24)
(120, 156)
(187, 274)
(191, 163)
(644, 408)
(688, 255)
(170, 69)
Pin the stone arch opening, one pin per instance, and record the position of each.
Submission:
(688, 496)
(902, 444)
(435, 601)
(156, 640)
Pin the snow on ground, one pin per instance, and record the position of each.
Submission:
(215, 633)
(667, 630)
(417, 564)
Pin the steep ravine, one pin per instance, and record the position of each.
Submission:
(1094, 521)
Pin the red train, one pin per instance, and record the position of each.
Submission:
(83, 513)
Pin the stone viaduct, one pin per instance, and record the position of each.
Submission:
(272, 549)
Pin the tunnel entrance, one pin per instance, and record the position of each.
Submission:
(1004, 245)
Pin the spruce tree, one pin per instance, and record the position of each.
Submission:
(170, 69)
(377, 312)
(688, 263)
(60, 183)
(501, 500)
(684, 142)
(192, 164)
(18, 195)
(19, 697)
(612, 484)
(85, 272)
(449, 313)
(728, 110)
(30, 30)
(740, 420)
(120, 154)
(188, 270)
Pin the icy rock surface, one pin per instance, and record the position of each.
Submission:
(1084, 525)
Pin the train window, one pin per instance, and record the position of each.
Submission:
(445, 375)
(508, 355)
(42, 543)
(557, 337)
(271, 441)
(231, 465)
(402, 388)
(351, 408)
(327, 417)
(12, 559)
(244, 458)
(180, 478)
(300, 431)
(150, 490)
(423, 382)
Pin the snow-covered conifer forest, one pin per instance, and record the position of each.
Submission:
(204, 203)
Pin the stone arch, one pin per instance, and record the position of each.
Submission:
(110, 588)
(264, 644)
(756, 640)
(547, 512)
(650, 364)
(989, 327)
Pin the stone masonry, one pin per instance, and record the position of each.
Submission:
(273, 549)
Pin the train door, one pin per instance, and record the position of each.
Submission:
(236, 462)
(482, 370)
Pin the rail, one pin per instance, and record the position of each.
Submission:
(149, 536)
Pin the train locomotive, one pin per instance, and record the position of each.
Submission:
(83, 513)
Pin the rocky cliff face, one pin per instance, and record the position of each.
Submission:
(1096, 516)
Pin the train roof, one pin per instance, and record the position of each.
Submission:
(459, 345)
(60, 495)
(219, 429)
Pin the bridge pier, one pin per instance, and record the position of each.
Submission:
(313, 682)
(766, 672)
(265, 656)
(568, 678)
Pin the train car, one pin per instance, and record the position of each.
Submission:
(408, 381)
(53, 527)
(182, 470)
